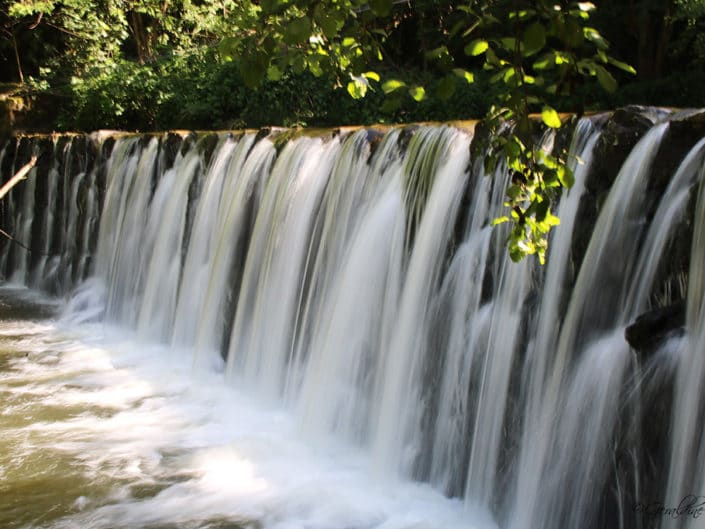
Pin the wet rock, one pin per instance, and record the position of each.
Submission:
(651, 329)
(684, 131)
(170, 145)
(621, 131)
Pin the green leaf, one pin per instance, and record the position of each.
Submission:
(605, 79)
(357, 88)
(314, 66)
(565, 176)
(509, 74)
(550, 117)
(492, 59)
(371, 75)
(298, 64)
(328, 24)
(552, 220)
(514, 191)
(508, 43)
(228, 48)
(476, 47)
(594, 36)
(500, 220)
(621, 65)
(522, 14)
(541, 210)
(573, 33)
(550, 178)
(392, 85)
(516, 254)
(534, 38)
(274, 73)
(545, 62)
(297, 31)
(437, 53)
(417, 93)
(464, 74)
(446, 88)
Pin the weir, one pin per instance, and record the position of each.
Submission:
(354, 280)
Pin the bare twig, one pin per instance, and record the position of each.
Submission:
(36, 22)
(17, 59)
(12, 182)
(21, 174)
(18, 243)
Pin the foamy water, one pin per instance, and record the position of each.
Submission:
(101, 431)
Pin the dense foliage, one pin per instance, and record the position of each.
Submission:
(159, 63)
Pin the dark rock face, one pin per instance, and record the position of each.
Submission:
(621, 131)
(651, 329)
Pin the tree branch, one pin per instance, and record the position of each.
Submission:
(17, 59)
(36, 22)
(21, 174)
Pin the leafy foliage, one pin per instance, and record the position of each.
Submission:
(534, 51)
(236, 63)
(549, 49)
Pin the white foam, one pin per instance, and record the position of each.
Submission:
(208, 452)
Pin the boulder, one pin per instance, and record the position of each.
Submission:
(651, 329)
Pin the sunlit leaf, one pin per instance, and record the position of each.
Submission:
(594, 36)
(552, 220)
(545, 62)
(622, 65)
(357, 88)
(417, 93)
(476, 47)
(464, 74)
(550, 117)
(393, 84)
(508, 75)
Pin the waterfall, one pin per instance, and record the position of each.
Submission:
(354, 280)
(687, 451)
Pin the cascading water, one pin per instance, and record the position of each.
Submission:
(354, 283)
